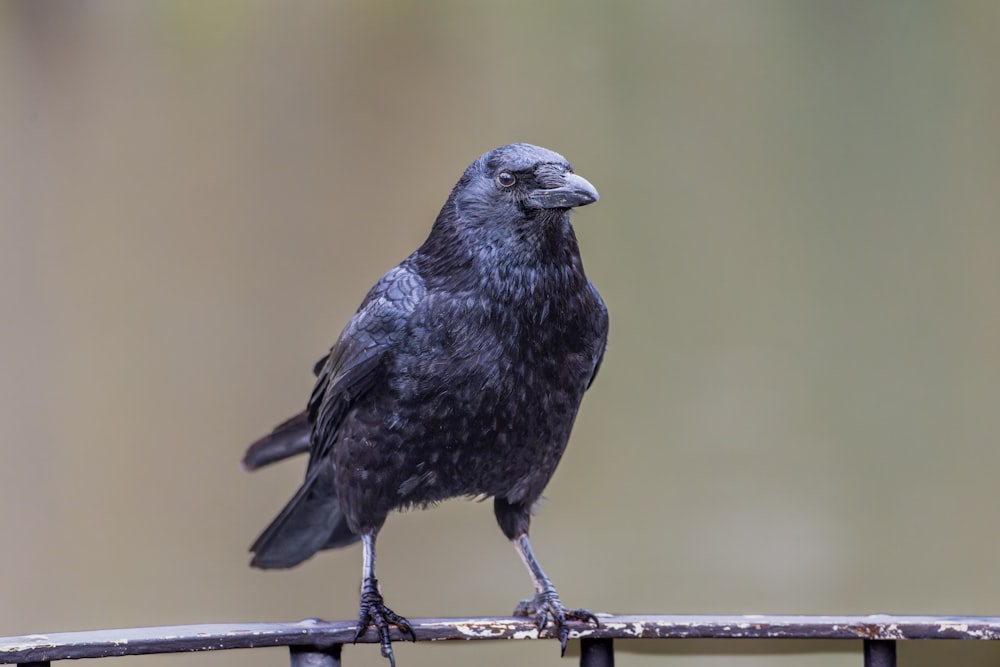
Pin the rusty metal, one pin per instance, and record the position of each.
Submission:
(42, 648)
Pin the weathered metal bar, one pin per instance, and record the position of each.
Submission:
(180, 638)
(880, 653)
(597, 652)
(315, 656)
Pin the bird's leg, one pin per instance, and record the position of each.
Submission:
(373, 609)
(546, 604)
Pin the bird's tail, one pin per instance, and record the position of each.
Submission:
(312, 520)
(288, 438)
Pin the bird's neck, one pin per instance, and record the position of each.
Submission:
(542, 260)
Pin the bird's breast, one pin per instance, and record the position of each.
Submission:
(484, 394)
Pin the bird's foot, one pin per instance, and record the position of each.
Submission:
(546, 606)
(374, 612)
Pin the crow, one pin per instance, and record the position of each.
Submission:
(460, 375)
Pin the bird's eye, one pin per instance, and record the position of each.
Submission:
(506, 179)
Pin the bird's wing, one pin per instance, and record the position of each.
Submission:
(355, 363)
(289, 438)
(602, 324)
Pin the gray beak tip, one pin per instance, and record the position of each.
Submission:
(574, 191)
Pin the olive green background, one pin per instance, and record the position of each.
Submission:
(798, 241)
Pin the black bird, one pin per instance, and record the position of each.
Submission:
(460, 375)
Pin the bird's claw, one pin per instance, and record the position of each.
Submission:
(546, 606)
(374, 612)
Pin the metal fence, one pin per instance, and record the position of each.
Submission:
(315, 643)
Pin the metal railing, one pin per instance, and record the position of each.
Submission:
(315, 643)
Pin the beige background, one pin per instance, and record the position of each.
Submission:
(798, 241)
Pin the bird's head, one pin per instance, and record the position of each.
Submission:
(520, 180)
(515, 201)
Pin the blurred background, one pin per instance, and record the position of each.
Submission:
(798, 242)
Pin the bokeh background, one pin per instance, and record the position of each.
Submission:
(798, 240)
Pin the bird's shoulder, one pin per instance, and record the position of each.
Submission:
(378, 323)
(388, 303)
(355, 361)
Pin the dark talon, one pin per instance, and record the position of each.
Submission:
(583, 615)
(546, 606)
(374, 612)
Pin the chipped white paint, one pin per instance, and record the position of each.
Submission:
(480, 632)
(27, 643)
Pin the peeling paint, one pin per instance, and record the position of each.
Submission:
(481, 632)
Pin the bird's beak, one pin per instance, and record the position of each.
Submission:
(573, 191)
